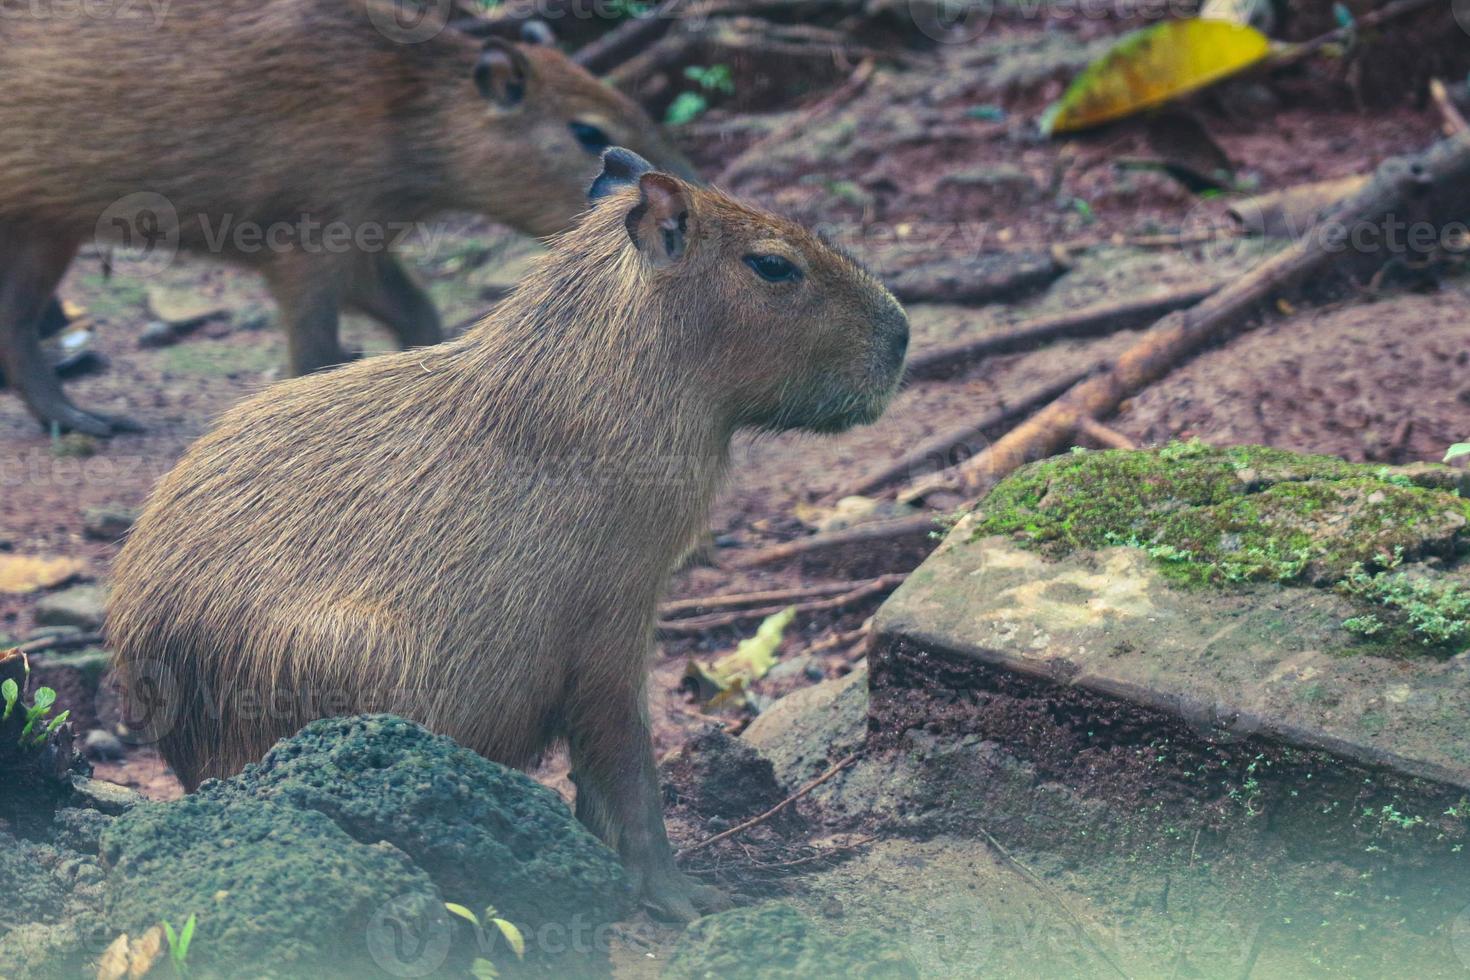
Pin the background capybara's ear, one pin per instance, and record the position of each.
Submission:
(620, 168)
(500, 73)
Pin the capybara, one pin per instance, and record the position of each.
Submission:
(300, 137)
(476, 534)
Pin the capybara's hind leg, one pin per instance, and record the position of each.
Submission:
(30, 268)
(618, 799)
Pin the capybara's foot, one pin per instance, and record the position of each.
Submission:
(675, 897)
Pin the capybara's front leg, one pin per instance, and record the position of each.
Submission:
(618, 799)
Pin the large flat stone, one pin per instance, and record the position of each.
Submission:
(1261, 661)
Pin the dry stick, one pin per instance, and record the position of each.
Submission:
(628, 39)
(700, 624)
(1180, 335)
(762, 818)
(68, 642)
(917, 526)
(682, 607)
(1089, 321)
(761, 147)
(1454, 121)
(939, 448)
(1104, 436)
(1055, 896)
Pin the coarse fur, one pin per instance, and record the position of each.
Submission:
(476, 534)
(297, 137)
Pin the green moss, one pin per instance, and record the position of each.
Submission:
(1220, 516)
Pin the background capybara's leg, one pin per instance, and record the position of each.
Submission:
(618, 797)
(30, 268)
(384, 290)
(308, 289)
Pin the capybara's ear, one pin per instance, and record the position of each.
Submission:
(538, 32)
(620, 168)
(500, 73)
(660, 225)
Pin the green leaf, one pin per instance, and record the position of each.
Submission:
(1152, 66)
(513, 936)
(44, 699)
(10, 690)
(688, 107)
(56, 723)
(463, 913)
(1456, 451)
(187, 936)
(483, 969)
(173, 937)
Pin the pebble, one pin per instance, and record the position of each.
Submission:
(100, 745)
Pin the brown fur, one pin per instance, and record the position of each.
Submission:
(271, 112)
(476, 534)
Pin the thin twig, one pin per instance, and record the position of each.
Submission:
(69, 641)
(1300, 52)
(823, 855)
(865, 590)
(679, 608)
(758, 820)
(1102, 435)
(918, 527)
(1055, 896)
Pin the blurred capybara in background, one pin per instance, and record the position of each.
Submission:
(257, 130)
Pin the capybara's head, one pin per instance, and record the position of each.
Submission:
(531, 141)
(797, 334)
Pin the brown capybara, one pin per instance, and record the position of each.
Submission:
(475, 535)
(302, 138)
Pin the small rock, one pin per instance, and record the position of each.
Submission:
(107, 523)
(82, 606)
(158, 334)
(100, 745)
(98, 794)
(182, 309)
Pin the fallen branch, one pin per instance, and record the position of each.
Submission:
(757, 151)
(701, 624)
(628, 39)
(682, 607)
(1102, 435)
(762, 818)
(919, 526)
(1090, 321)
(69, 641)
(937, 453)
(1400, 185)
(1291, 211)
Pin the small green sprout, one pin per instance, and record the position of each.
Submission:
(10, 690)
(481, 968)
(178, 944)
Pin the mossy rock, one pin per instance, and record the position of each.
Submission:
(776, 942)
(1237, 515)
(486, 834)
(277, 891)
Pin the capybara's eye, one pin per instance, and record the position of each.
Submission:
(773, 268)
(593, 140)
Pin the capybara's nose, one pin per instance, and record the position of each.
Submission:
(895, 330)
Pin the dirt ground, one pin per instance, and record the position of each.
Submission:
(904, 174)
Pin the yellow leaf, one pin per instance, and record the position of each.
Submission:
(28, 573)
(463, 913)
(1152, 66)
(513, 936)
(113, 963)
(144, 953)
(729, 677)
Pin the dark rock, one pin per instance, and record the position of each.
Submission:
(100, 745)
(80, 829)
(158, 334)
(967, 279)
(107, 523)
(81, 606)
(278, 891)
(487, 835)
(55, 894)
(774, 942)
(105, 797)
